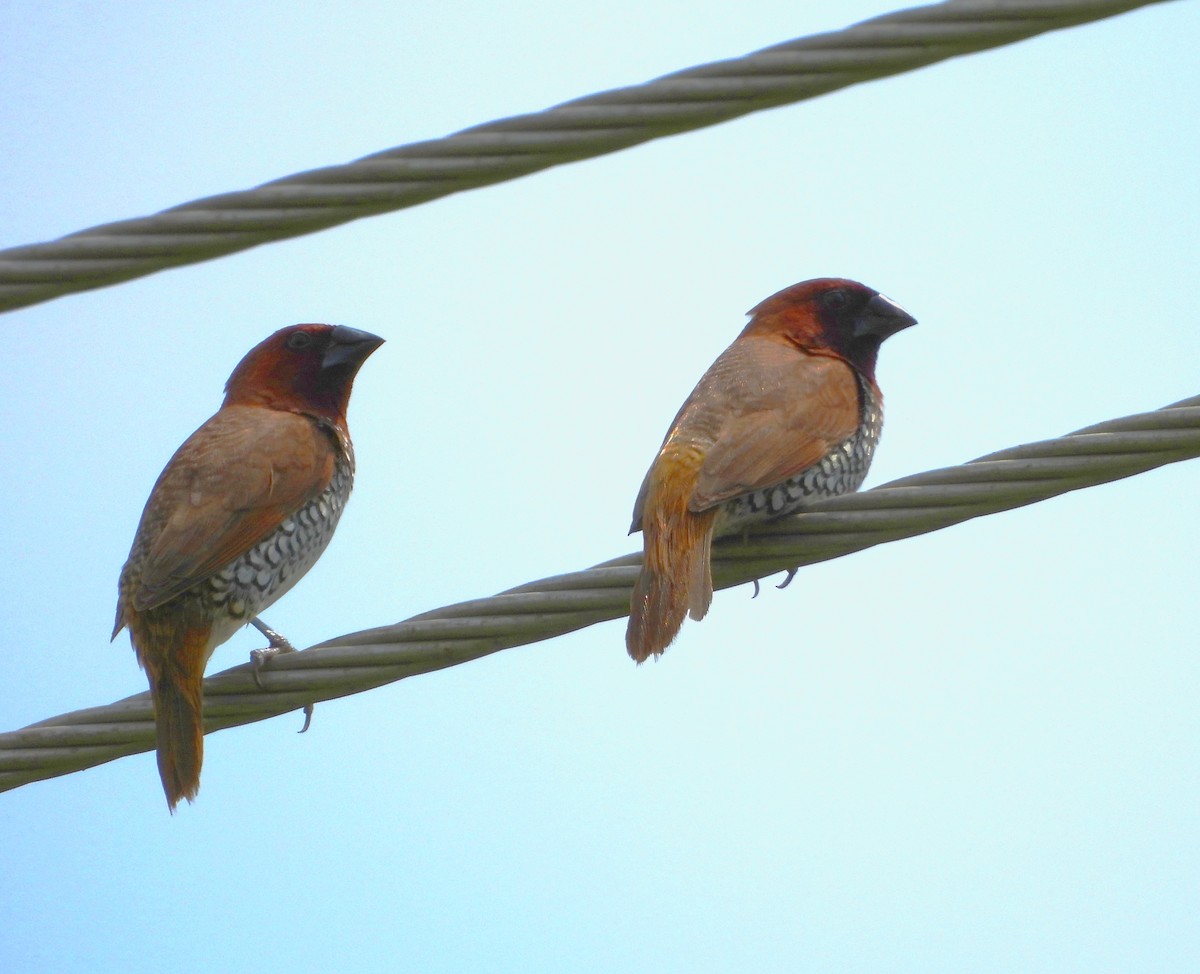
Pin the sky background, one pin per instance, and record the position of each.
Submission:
(973, 751)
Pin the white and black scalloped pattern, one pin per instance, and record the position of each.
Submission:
(841, 471)
(263, 574)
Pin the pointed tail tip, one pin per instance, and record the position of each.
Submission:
(177, 785)
(635, 643)
(639, 653)
(648, 636)
(649, 631)
(175, 796)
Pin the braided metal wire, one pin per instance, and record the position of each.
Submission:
(513, 147)
(554, 606)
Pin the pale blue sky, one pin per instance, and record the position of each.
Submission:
(972, 751)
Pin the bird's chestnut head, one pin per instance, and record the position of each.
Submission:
(832, 315)
(304, 368)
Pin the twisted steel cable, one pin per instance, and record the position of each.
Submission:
(554, 606)
(513, 147)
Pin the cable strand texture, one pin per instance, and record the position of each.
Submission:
(512, 147)
(554, 606)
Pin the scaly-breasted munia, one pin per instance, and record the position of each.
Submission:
(242, 510)
(790, 412)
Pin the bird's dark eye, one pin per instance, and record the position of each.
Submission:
(299, 341)
(836, 299)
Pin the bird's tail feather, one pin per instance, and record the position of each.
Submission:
(676, 577)
(176, 685)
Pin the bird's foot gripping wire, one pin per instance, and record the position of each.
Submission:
(260, 657)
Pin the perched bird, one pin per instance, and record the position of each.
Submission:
(242, 510)
(790, 412)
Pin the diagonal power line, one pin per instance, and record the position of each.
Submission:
(554, 606)
(513, 147)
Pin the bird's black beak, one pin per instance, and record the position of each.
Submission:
(881, 318)
(349, 346)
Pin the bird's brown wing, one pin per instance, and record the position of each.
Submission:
(230, 485)
(801, 407)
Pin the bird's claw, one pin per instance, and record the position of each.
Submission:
(260, 657)
(784, 584)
